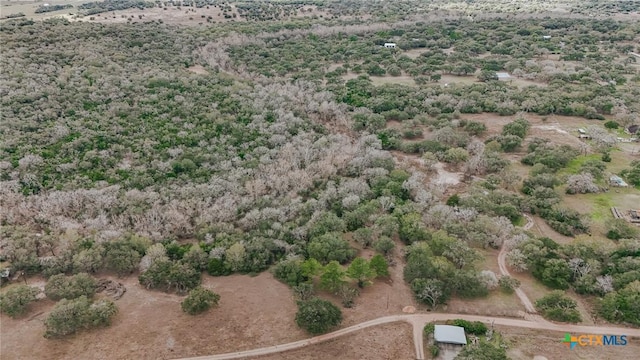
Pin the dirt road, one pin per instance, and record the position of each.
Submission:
(418, 321)
(502, 256)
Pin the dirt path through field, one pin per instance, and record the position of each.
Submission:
(528, 305)
(418, 321)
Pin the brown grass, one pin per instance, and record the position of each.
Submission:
(253, 312)
(387, 342)
(526, 343)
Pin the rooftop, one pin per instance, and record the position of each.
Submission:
(449, 334)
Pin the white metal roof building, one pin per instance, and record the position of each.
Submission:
(449, 334)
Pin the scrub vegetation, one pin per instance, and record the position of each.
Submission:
(269, 142)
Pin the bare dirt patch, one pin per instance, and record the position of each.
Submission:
(413, 53)
(526, 344)
(555, 133)
(453, 79)
(521, 83)
(198, 69)
(445, 177)
(390, 341)
(29, 7)
(172, 15)
(253, 312)
(380, 80)
(403, 80)
(558, 129)
(495, 304)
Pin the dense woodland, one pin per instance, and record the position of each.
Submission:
(117, 158)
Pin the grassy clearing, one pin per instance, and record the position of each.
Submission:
(574, 165)
(532, 287)
(622, 156)
(453, 79)
(599, 205)
(403, 80)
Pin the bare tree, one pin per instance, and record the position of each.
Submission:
(604, 283)
(581, 184)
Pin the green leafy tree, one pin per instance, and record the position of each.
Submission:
(557, 306)
(330, 247)
(379, 264)
(15, 301)
(197, 258)
(235, 256)
(475, 128)
(101, 313)
(289, 271)
(348, 295)
(318, 316)
(556, 274)
(508, 284)
(88, 260)
(333, 276)
(419, 262)
(487, 75)
(412, 229)
(468, 284)
(622, 305)
(453, 200)
(326, 223)
(121, 257)
(482, 351)
(509, 143)
(169, 276)
(303, 291)
(310, 268)
(471, 327)
(363, 236)
(218, 267)
(611, 124)
(361, 271)
(455, 155)
(384, 245)
(386, 225)
(518, 127)
(199, 300)
(619, 229)
(430, 291)
(70, 287)
(70, 316)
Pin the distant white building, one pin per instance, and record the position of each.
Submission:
(390, 45)
(546, 37)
